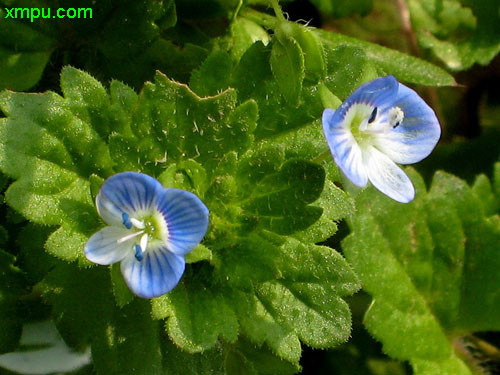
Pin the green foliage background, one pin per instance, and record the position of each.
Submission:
(224, 99)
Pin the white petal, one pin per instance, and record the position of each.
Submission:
(104, 247)
(387, 176)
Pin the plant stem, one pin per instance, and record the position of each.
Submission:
(277, 10)
(240, 3)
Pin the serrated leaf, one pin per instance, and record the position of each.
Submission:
(316, 325)
(213, 76)
(245, 33)
(429, 274)
(260, 326)
(67, 244)
(287, 65)
(172, 122)
(198, 254)
(197, 317)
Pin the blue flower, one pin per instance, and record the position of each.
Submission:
(382, 123)
(150, 230)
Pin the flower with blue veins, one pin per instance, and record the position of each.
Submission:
(150, 230)
(380, 124)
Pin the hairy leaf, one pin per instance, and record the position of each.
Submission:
(438, 260)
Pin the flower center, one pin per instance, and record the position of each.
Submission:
(366, 121)
(151, 228)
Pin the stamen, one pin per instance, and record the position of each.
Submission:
(373, 115)
(126, 220)
(129, 236)
(396, 116)
(137, 223)
(138, 253)
(144, 242)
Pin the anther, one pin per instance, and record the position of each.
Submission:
(126, 220)
(373, 115)
(396, 116)
(138, 253)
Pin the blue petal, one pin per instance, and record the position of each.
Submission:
(416, 136)
(186, 217)
(343, 147)
(380, 93)
(126, 193)
(103, 247)
(156, 274)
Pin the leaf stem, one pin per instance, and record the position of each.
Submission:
(240, 3)
(277, 10)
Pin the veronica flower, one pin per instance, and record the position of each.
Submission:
(149, 231)
(382, 123)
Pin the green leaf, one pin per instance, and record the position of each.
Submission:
(309, 299)
(252, 69)
(32, 257)
(310, 44)
(459, 33)
(262, 360)
(123, 295)
(176, 361)
(194, 126)
(244, 34)
(297, 181)
(24, 52)
(406, 68)
(213, 75)
(287, 65)
(260, 326)
(252, 259)
(432, 275)
(343, 8)
(197, 317)
(67, 244)
(130, 335)
(198, 254)
(80, 302)
(253, 78)
(348, 68)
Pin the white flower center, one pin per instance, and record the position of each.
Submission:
(365, 121)
(152, 228)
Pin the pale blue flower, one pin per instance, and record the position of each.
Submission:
(382, 123)
(150, 230)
